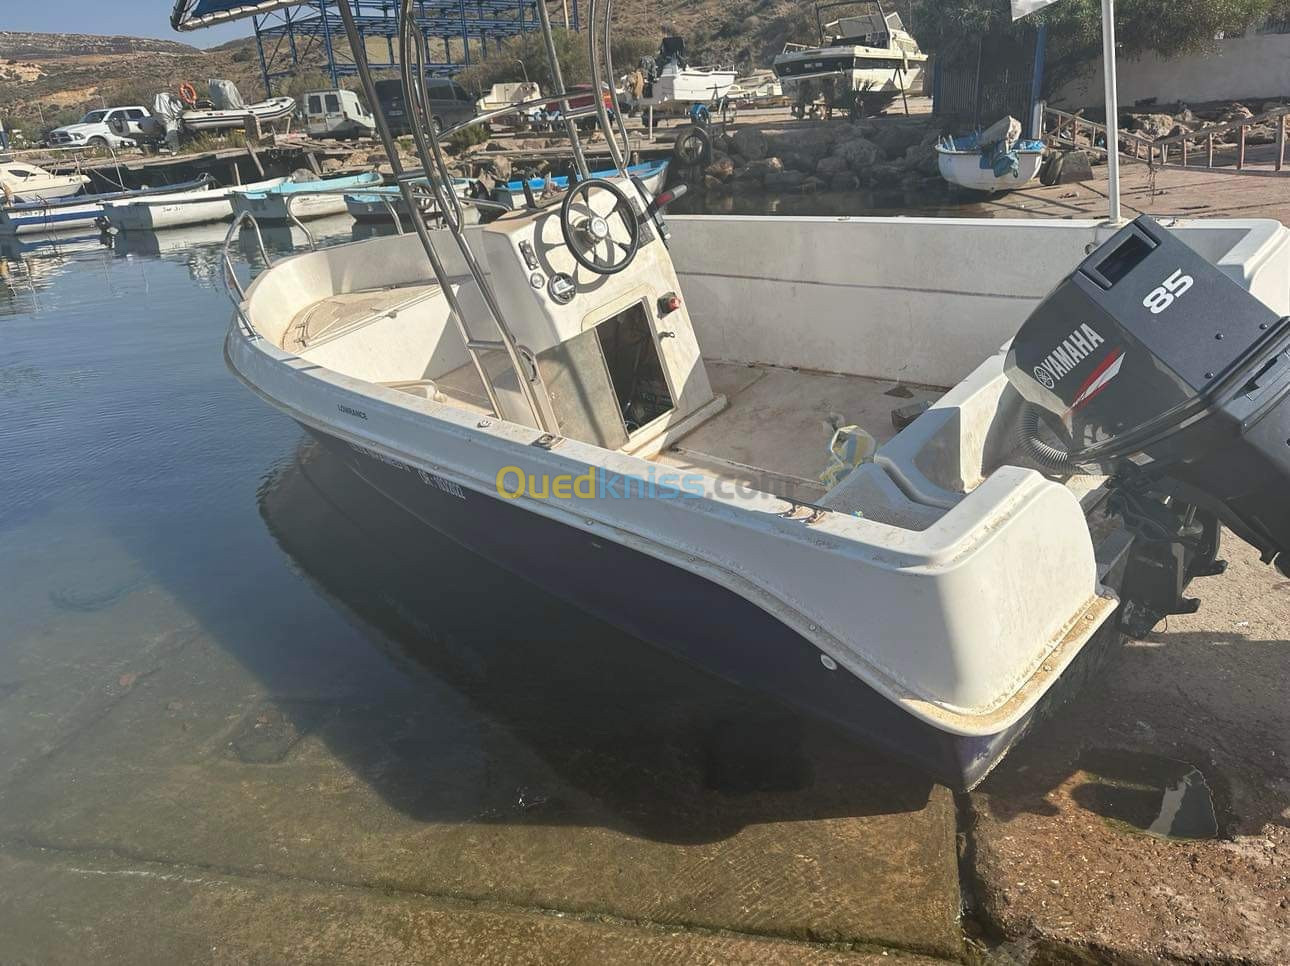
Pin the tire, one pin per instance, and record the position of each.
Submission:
(693, 146)
(438, 126)
(97, 142)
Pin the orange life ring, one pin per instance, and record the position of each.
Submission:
(188, 93)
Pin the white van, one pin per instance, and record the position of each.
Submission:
(337, 114)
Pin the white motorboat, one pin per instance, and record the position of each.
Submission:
(761, 87)
(667, 80)
(641, 428)
(302, 199)
(23, 183)
(505, 95)
(869, 56)
(178, 208)
(80, 211)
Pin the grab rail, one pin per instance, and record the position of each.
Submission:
(230, 274)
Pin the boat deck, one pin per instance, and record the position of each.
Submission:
(773, 434)
(775, 431)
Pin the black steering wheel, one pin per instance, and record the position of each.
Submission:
(587, 233)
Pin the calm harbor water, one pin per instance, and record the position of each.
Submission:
(149, 497)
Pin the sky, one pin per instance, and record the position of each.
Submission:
(135, 18)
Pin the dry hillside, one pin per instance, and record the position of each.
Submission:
(47, 79)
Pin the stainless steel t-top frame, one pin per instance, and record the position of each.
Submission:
(434, 170)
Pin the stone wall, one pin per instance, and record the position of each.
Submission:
(1254, 66)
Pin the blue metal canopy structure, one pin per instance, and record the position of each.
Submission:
(292, 33)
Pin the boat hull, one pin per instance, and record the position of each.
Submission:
(861, 69)
(54, 192)
(703, 623)
(39, 220)
(963, 169)
(273, 207)
(189, 208)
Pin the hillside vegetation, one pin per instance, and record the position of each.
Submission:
(51, 79)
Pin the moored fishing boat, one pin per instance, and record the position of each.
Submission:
(22, 183)
(302, 199)
(178, 208)
(81, 211)
(381, 203)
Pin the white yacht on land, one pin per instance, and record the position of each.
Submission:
(668, 80)
(869, 55)
(651, 418)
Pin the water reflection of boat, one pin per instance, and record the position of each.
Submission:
(619, 732)
(169, 242)
(28, 266)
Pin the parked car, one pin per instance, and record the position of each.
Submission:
(450, 104)
(94, 130)
(337, 114)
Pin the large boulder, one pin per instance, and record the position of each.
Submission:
(858, 153)
(895, 139)
(751, 143)
(762, 168)
(721, 167)
(784, 180)
(886, 175)
(798, 161)
(844, 181)
(1150, 125)
(499, 167)
(831, 167)
(813, 142)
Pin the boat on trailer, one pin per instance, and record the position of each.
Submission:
(870, 57)
(632, 414)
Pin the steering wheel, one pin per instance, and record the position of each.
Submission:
(586, 232)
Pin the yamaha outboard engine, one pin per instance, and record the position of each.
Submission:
(1150, 365)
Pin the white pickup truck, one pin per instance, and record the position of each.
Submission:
(94, 130)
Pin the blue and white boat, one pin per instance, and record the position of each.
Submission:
(82, 211)
(997, 166)
(306, 199)
(375, 204)
(652, 174)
